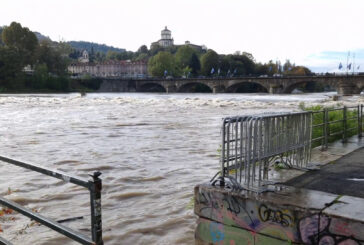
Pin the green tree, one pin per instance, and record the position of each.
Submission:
(244, 64)
(10, 63)
(142, 56)
(143, 49)
(163, 61)
(186, 71)
(272, 67)
(261, 69)
(22, 40)
(287, 66)
(208, 61)
(112, 55)
(155, 49)
(54, 56)
(184, 55)
(299, 71)
(1, 40)
(225, 64)
(41, 76)
(194, 64)
(92, 55)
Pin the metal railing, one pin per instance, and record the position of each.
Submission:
(94, 186)
(251, 143)
(328, 128)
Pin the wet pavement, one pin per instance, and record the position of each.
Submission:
(343, 176)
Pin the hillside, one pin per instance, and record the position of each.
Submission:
(81, 45)
(41, 37)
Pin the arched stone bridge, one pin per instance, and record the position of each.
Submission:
(344, 85)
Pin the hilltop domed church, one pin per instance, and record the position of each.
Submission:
(167, 41)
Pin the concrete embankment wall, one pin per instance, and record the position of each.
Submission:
(285, 216)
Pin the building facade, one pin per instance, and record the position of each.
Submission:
(122, 68)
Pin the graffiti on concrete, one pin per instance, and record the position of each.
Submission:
(247, 214)
(212, 232)
(276, 216)
(217, 232)
(215, 204)
(316, 229)
(282, 222)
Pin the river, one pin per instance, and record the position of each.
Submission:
(152, 149)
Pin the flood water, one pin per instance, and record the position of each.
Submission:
(152, 149)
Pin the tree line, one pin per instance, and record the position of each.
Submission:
(187, 62)
(20, 51)
(48, 60)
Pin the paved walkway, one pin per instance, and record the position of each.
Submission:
(344, 176)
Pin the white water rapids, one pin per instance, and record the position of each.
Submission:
(152, 149)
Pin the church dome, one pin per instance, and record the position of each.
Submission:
(166, 31)
(166, 34)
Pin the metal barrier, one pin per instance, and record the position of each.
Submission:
(94, 186)
(251, 143)
(351, 123)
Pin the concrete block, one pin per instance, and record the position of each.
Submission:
(346, 219)
(275, 214)
(211, 232)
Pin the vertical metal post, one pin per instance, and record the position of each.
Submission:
(223, 151)
(325, 129)
(360, 122)
(95, 199)
(344, 124)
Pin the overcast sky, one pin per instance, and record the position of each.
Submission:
(315, 33)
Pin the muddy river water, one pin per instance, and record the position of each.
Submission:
(152, 149)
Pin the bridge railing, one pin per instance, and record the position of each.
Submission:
(224, 77)
(94, 186)
(332, 124)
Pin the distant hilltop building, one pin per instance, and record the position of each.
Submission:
(84, 58)
(167, 41)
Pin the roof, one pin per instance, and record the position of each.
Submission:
(165, 29)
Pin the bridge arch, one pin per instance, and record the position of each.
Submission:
(152, 87)
(247, 87)
(309, 86)
(195, 87)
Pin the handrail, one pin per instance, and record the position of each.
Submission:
(325, 124)
(94, 186)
